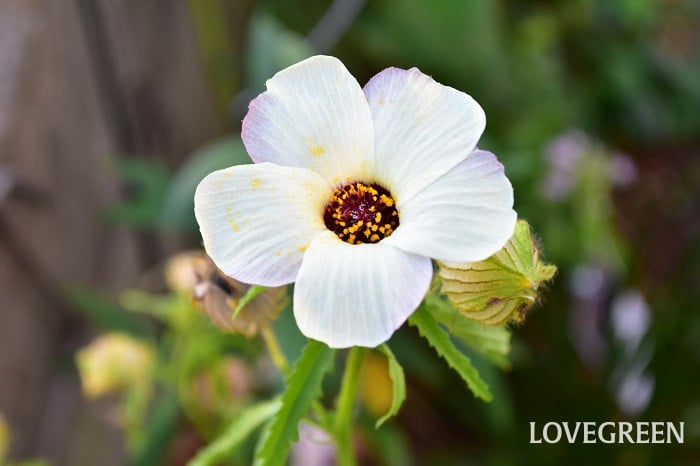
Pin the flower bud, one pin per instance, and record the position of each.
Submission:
(218, 295)
(501, 288)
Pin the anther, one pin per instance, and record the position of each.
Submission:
(361, 213)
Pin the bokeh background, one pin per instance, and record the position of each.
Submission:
(111, 111)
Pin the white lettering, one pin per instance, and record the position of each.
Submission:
(608, 432)
(642, 432)
(672, 429)
(545, 432)
(589, 432)
(571, 437)
(601, 432)
(532, 433)
(625, 431)
(657, 432)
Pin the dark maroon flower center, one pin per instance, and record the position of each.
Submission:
(361, 213)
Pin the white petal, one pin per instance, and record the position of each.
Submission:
(357, 295)
(465, 216)
(313, 115)
(422, 129)
(257, 220)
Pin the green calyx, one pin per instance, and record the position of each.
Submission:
(503, 287)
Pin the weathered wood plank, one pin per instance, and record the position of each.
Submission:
(54, 137)
(160, 77)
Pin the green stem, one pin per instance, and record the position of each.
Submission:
(345, 407)
(273, 347)
(280, 361)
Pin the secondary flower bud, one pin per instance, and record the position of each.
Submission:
(501, 288)
(217, 295)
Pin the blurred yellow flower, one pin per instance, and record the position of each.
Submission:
(114, 362)
(376, 387)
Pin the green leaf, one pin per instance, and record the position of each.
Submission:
(272, 48)
(242, 426)
(249, 295)
(440, 340)
(501, 288)
(398, 382)
(159, 431)
(103, 312)
(178, 205)
(146, 183)
(156, 305)
(303, 387)
(390, 444)
(493, 341)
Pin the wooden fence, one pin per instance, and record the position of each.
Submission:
(81, 81)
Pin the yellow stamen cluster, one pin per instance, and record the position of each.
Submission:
(361, 213)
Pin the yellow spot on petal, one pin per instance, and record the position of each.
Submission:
(234, 226)
(317, 150)
(303, 247)
(255, 183)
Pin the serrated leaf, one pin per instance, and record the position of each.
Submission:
(501, 288)
(242, 426)
(440, 340)
(493, 341)
(398, 381)
(303, 388)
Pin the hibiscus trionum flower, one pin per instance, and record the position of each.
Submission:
(353, 191)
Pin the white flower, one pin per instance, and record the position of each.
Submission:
(353, 192)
